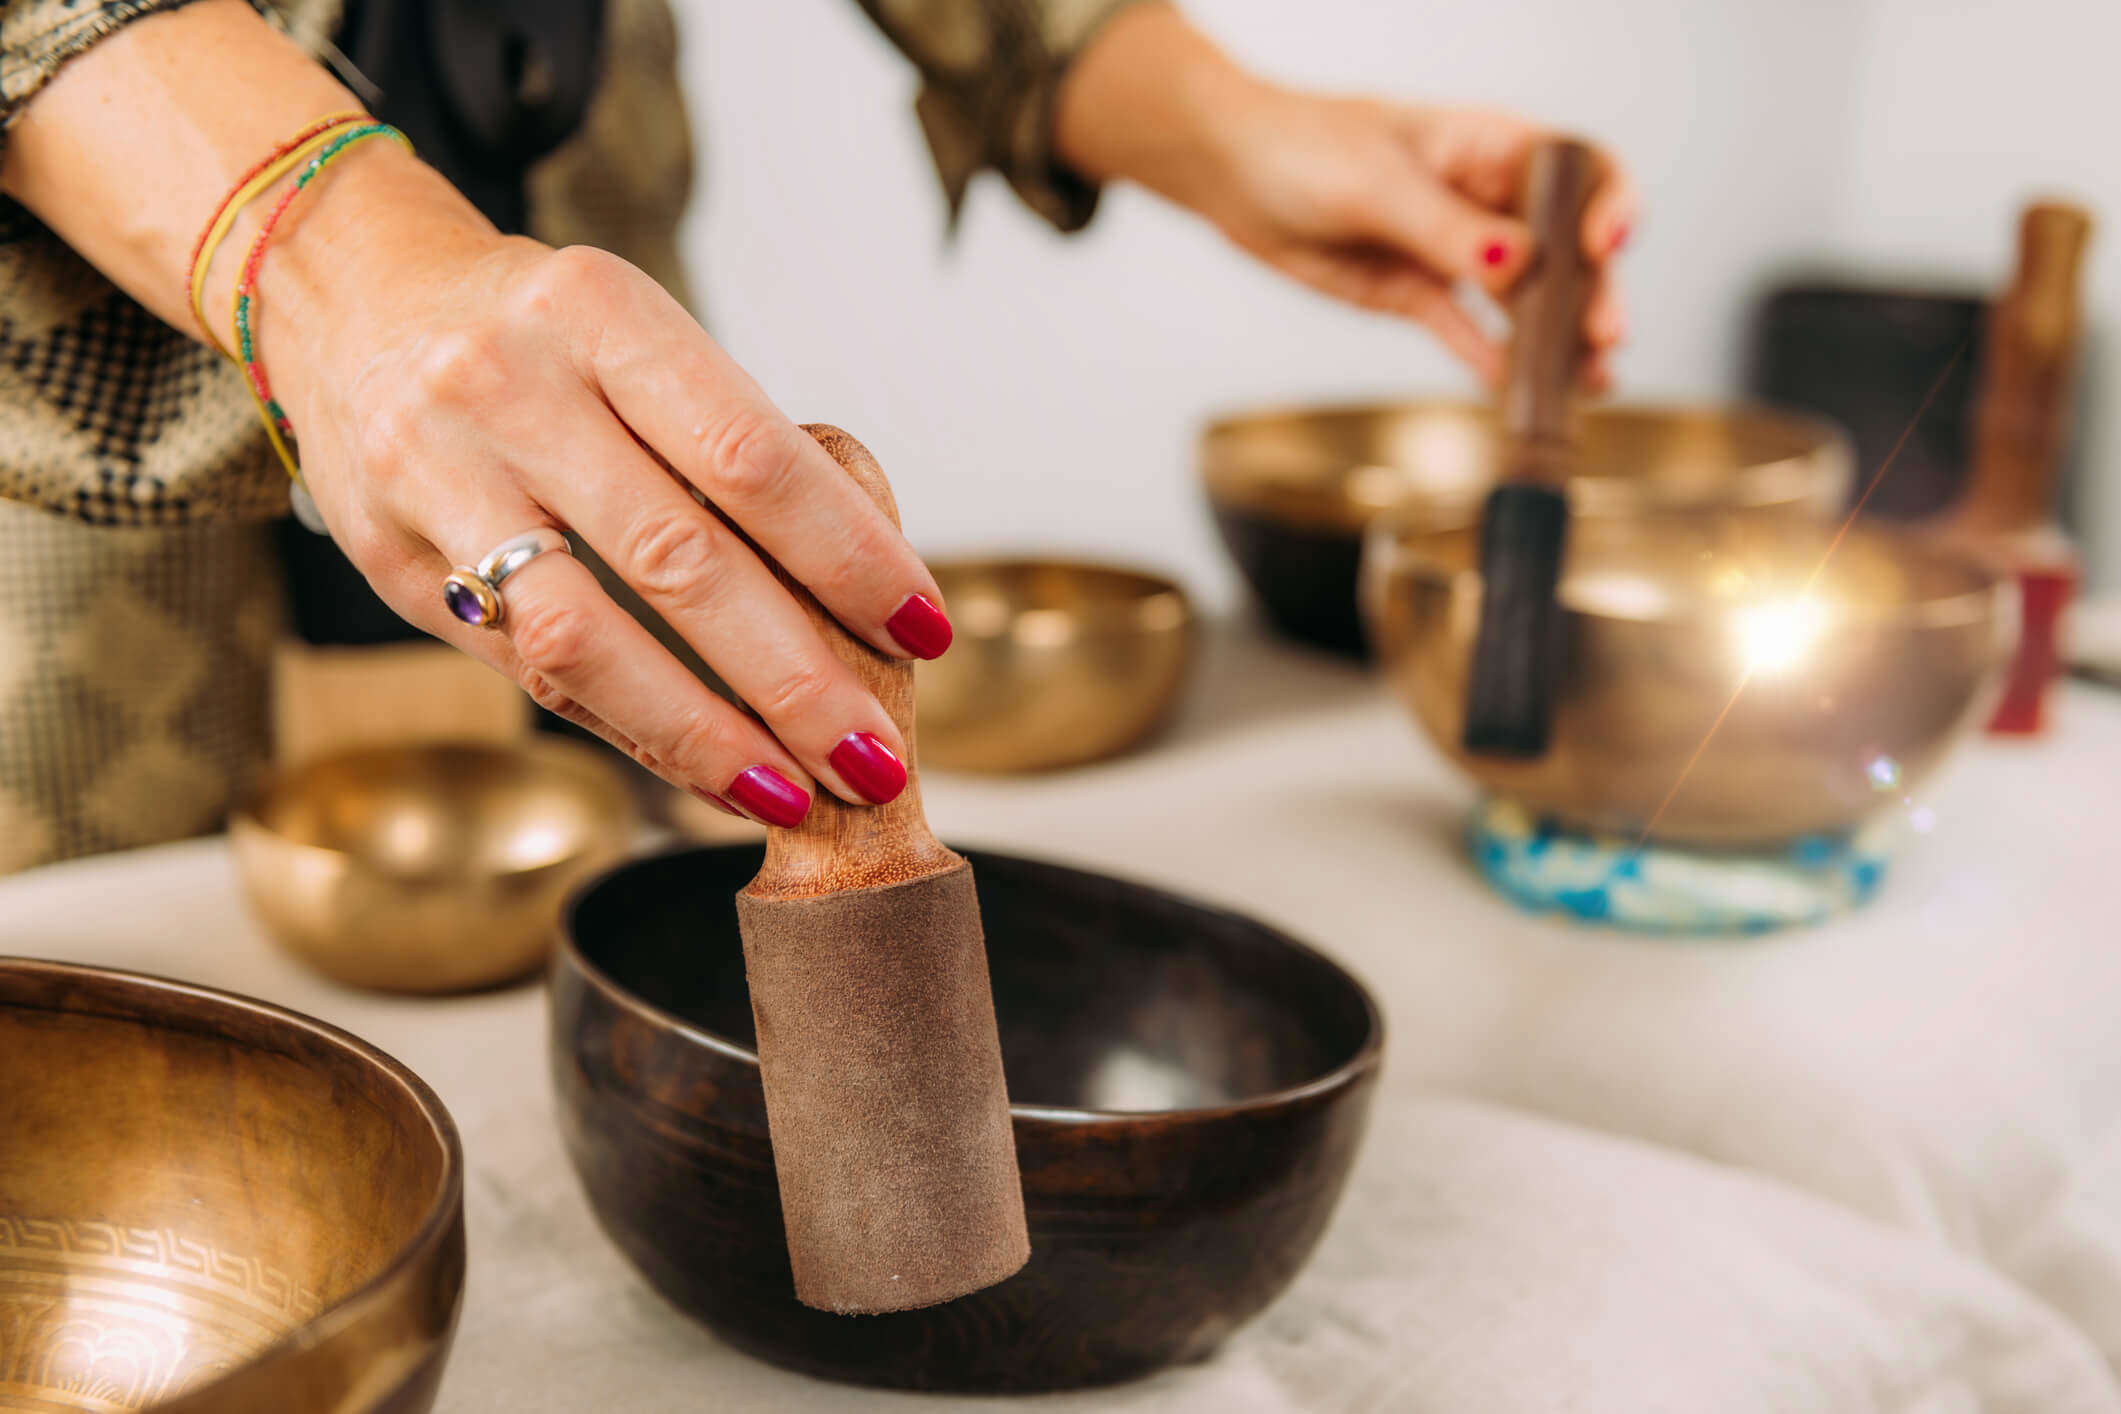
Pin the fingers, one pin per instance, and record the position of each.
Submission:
(709, 586)
(1390, 284)
(1610, 217)
(1482, 155)
(581, 656)
(1605, 321)
(1607, 222)
(690, 403)
(1421, 217)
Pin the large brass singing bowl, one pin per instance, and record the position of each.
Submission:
(1294, 489)
(429, 868)
(1711, 683)
(209, 1205)
(1054, 664)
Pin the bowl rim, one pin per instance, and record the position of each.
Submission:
(145, 999)
(1388, 554)
(1314, 499)
(1367, 1058)
(247, 811)
(1109, 620)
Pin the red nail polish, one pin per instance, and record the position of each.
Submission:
(718, 803)
(1495, 253)
(1620, 238)
(770, 796)
(920, 628)
(870, 767)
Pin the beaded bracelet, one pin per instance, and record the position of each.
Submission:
(274, 165)
(269, 411)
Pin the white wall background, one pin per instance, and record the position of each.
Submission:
(1026, 390)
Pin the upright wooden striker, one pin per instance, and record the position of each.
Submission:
(876, 1034)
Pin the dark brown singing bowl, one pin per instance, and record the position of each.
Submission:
(1292, 490)
(209, 1205)
(1191, 1087)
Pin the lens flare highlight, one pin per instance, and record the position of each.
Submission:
(1775, 637)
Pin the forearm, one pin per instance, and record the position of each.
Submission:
(126, 152)
(1150, 101)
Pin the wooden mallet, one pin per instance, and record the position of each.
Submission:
(1517, 657)
(876, 1036)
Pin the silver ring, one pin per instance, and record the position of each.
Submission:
(473, 594)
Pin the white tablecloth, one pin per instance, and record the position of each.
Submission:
(1927, 1095)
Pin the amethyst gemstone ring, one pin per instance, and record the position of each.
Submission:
(473, 595)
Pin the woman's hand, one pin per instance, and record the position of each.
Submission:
(1385, 205)
(452, 387)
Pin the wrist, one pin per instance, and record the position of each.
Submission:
(338, 264)
(1153, 101)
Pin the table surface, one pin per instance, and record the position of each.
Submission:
(1295, 789)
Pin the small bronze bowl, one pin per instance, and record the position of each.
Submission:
(1857, 678)
(1293, 490)
(209, 1205)
(1191, 1089)
(1054, 664)
(433, 868)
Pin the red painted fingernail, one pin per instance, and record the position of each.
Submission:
(718, 803)
(1620, 238)
(920, 628)
(870, 767)
(770, 796)
(1495, 253)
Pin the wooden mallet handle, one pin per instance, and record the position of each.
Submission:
(2028, 357)
(839, 847)
(1547, 307)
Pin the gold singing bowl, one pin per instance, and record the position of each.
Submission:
(1054, 664)
(209, 1205)
(1811, 702)
(1293, 490)
(431, 868)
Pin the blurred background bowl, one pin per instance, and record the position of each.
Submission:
(1190, 1088)
(1055, 663)
(1293, 490)
(429, 868)
(209, 1205)
(1858, 676)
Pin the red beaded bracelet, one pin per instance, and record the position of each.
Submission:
(276, 423)
(218, 224)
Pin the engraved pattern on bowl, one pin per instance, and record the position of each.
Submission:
(120, 1317)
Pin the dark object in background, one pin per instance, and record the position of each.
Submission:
(484, 89)
(1190, 1090)
(328, 600)
(1303, 576)
(1867, 357)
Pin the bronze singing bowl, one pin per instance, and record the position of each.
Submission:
(209, 1205)
(1709, 681)
(431, 868)
(1293, 490)
(1054, 664)
(1190, 1086)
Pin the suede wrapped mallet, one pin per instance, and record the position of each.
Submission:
(876, 1036)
